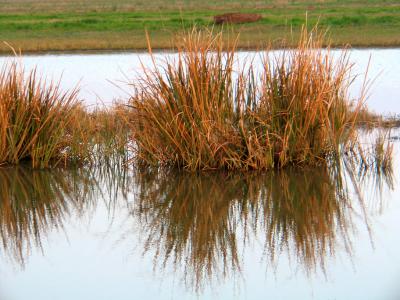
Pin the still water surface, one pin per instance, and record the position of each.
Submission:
(105, 77)
(111, 233)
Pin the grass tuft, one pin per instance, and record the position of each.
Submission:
(199, 112)
(43, 126)
(35, 117)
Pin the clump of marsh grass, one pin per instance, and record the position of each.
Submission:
(35, 117)
(303, 112)
(44, 126)
(185, 111)
(201, 112)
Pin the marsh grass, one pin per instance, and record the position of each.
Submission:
(383, 155)
(42, 125)
(34, 117)
(370, 120)
(200, 112)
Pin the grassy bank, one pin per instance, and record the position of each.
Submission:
(80, 25)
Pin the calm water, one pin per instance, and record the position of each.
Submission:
(104, 77)
(111, 233)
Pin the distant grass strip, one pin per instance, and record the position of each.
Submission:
(119, 25)
(200, 113)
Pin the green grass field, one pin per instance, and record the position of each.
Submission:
(43, 25)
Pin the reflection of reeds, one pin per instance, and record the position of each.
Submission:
(306, 213)
(198, 222)
(33, 202)
(188, 219)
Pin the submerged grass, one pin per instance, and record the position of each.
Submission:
(200, 112)
(100, 135)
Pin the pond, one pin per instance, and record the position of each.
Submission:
(117, 233)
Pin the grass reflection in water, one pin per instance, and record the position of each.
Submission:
(33, 202)
(199, 223)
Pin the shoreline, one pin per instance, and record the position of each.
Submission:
(105, 51)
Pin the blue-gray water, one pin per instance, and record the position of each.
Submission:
(113, 234)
